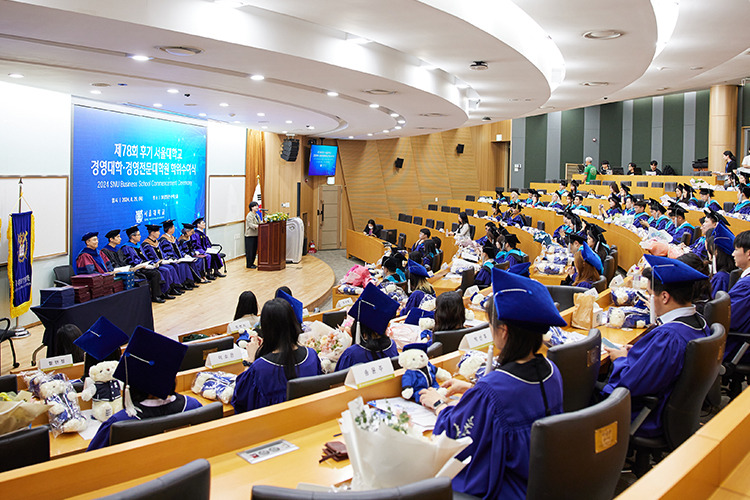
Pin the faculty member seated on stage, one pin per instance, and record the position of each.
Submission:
(118, 259)
(180, 275)
(170, 250)
(88, 260)
(203, 243)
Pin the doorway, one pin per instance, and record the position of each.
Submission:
(329, 220)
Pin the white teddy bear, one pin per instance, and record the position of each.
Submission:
(470, 363)
(420, 373)
(103, 390)
(426, 327)
(64, 413)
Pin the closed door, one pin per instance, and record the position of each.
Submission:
(328, 217)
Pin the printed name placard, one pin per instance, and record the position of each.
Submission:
(370, 373)
(241, 325)
(56, 362)
(223, 358)
(344, 302)
(476, 340)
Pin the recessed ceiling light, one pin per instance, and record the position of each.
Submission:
(176, 50)
(351, 137)
(662, 88)
(401, 122)
(284, 132)
(95, 92)
(173, 91)
(369, 135)
(257, 78)
(141, 58)
(394, 115)
(236, 121)
(157, 105)
(546, 107)
(15, 75)
(385, 130)
(374, 106)
(432, 115)
(264, 127)
(595, 84)
(310, 127)
(514, 99)
(261, 114)
(189, 104)
(223, 104)
(479, 66)
(397, 127)
(602, 34)
(332, 93)
(528, 99)
(288, 121)
(201, 114)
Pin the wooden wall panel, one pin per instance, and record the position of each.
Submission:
(462, 169)
(432, 170)
(481, 143)
(401, 184)
(363, 180)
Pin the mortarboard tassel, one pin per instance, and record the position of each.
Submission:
(127, 400)
(490, 362)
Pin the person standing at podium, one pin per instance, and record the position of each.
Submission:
(253, 219)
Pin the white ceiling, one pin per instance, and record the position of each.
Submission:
(420, 50)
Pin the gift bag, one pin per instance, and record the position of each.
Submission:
(583, 312)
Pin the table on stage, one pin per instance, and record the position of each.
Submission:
(127, 310)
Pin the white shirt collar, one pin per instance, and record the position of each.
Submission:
(746, 272)
(677, 313)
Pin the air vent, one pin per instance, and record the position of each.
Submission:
(379, 92)
(178, 50)
(432, 115)
(101, 85)
(478, 66)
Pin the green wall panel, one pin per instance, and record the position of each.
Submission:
(571, 138)
(536, 149)
(642, 111)
(673, 132)
(701, 123)
(610, 133)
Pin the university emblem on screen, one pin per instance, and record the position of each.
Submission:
(22, 245)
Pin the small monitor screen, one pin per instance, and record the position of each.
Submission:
(322, 160)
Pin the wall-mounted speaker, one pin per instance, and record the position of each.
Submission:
(289, 149)
(399, 163)
(459, 148)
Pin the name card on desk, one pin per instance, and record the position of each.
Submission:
(365, 374)
(224, 358)
(241, 325)
(56, 362)
(476, 340)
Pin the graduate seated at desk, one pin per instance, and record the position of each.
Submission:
(535, 200)
(640, 215)
(578, 203)
(739, 295)
(391, 271)
(247, 308)
(562, 189)
(614, 206)
(586, 270)
(720, 246)
(424, 235)
(597, 242)
(743, 204)
(701, 288)
(498, 410)
(681, 225)
(417, 278)
(275, 358)
(429, 252)
(653, 364)
(490, 230)
(483, 279)
(148, 368)
(571, 224)
(629, 205)
(624, 191)
(450, 313)
(89, 261)
(659, 219)
(514, 216)
(706, 195)
(510, 253)
(372, 312)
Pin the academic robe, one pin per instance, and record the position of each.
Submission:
(483, 279)
(356, 354)
(133, 255)
(629, 211)
(584, 284)
(154, 251)
(556, 205)
(684, 228)
(580, 207)
(417, 247)
(742, 207)
(515, 221)
(539, 204)
(427, 260)
(739, 296)
(611, 212)
(181, 404)
(481, 241)
(694, 202)
(187, 248)
(663, 223)
(421, 379)
(202, 243)
(713, 204)
(263, 383)
(114, 255)
(699, 248)
(90, 262)
(392, 278)
(117, 259)
(171, 251)
(639, 217)
(497, 413)
(560, 232)
(719, 283)
(653, 365)
(513, 256)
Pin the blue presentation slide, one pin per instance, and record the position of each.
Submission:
(322, 160)
(130, 169)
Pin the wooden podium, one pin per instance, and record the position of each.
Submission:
(272, 246)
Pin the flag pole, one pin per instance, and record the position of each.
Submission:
(20, 331)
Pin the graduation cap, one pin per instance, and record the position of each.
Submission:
(723, 238)
(415, 314)
(625, 187)
(745, 190)
(129, 231)
(533, 192)
(514, 190)
(374, 309)
(101, 339)
(688, 188)
(188, 226)
(511, 239)
(590, 257)
(574, 183)
(422, 346)
(522, 300)
(521, 269)
(153, 227)
(575, 237)
(716, 216)
(669, 270)
(296, 304)
(89, 235)
(490, 250)
(167, 224)
(198, 220)
(149, 364)
(706, 191)
(615, 198)
(655, 205)
(112, 233)
(678, 211)
(563, 182)
(417, 269)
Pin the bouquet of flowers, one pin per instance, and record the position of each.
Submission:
(277, 216)
(328, 342)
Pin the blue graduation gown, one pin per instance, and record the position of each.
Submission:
(515, 221)
(497, 413)
(611, 212)
(133, 256)
(560, 232)
(713, 204)
(417, 246)
(739, 296)
(719, 283)
(694, 202)
(556, 205)
(201, 242)
(168, 252)
(186, 248)
(513, 256)
(585, 284)
(639, 217)
(629, 211)
(264, 383)
(742, 208)
(663, 223)
(653, 365)
(91, 262)
(420, 379)
(413, 301)
(580, 207)
(356, 354)
(699, 248)
(180, 405)
(481, 241)
(483, 279)
(685, 227)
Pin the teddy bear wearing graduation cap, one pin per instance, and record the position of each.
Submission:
(420, 373)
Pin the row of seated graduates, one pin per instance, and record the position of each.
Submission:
(605, 294)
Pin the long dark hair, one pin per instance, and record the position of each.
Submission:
(523, 339)
(246, 304)
(280, 332)
(449, 312)
(372, 340)
(701, 288)
(724, 261)
(463, 218)
(66, 334)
